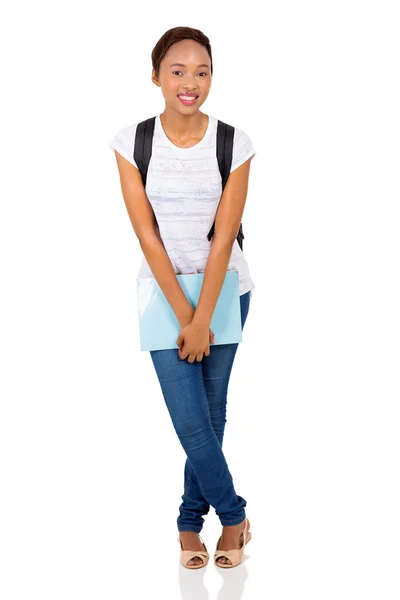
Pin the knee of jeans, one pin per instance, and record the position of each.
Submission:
(217, 387)
(218, 419)
(194, 435)
(218, 413)
(219, 429)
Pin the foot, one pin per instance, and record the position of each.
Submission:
(231, 539)
(190, 540)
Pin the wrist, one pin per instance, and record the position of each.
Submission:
(185, 317)
(201, 320)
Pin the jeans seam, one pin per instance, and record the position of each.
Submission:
(205, 398)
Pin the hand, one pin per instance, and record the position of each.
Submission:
(193, 341)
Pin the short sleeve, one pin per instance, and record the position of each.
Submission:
(123, 143)
(243, 149)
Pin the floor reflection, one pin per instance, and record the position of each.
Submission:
(193, 587)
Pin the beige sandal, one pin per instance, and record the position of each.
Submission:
(236, 555)
(186, 555)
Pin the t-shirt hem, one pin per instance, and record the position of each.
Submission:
(243, 160)
(124, 154)
(250, 289)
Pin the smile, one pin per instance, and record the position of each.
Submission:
(188, 100)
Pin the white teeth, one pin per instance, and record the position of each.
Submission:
(188, 97)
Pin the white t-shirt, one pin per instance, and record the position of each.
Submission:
(184, 188)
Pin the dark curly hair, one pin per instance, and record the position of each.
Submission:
(176, 34)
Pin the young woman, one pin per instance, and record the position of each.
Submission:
(172, 217)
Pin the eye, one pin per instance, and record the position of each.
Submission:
(202, 72)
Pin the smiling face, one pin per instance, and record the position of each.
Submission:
(186, 67)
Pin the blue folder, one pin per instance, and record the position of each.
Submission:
(158, 326)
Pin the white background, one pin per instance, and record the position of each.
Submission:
(91, 468)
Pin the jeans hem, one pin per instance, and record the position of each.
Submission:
(189, 528)
(226, 522)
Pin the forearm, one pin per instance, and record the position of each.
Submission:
(163, 271)
(214, 276)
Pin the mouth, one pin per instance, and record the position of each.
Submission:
(187, 100)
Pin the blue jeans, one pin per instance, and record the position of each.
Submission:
(196, 397)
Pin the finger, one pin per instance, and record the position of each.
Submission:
(183, 354)
(207, 352)
(179, 341)
(200, 354)
(191, 358)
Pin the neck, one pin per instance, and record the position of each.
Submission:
(183, 127)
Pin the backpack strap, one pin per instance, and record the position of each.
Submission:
(144, 146)
(225, 134)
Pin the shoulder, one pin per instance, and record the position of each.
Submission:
(243, 148)
(124, 142)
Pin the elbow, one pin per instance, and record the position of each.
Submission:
(149, 237)
(225, 234)
(224, 240)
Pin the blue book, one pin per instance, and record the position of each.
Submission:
(158, 326)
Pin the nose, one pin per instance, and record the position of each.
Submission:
(188, 78)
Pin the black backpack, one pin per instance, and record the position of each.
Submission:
(144, 145)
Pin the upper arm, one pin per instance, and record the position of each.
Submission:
(138, 206)
(233, 200)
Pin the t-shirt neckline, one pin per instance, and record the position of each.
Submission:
(178, 148)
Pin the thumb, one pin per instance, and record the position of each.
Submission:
(179, 340)
(211, 336)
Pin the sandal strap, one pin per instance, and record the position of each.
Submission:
(235, 555)
(187, 555)
(228, 553)
(192, 553)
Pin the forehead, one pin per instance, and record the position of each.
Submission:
(188, 53)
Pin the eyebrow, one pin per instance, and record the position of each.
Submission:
(182, 65)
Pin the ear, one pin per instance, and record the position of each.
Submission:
(154, 78)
